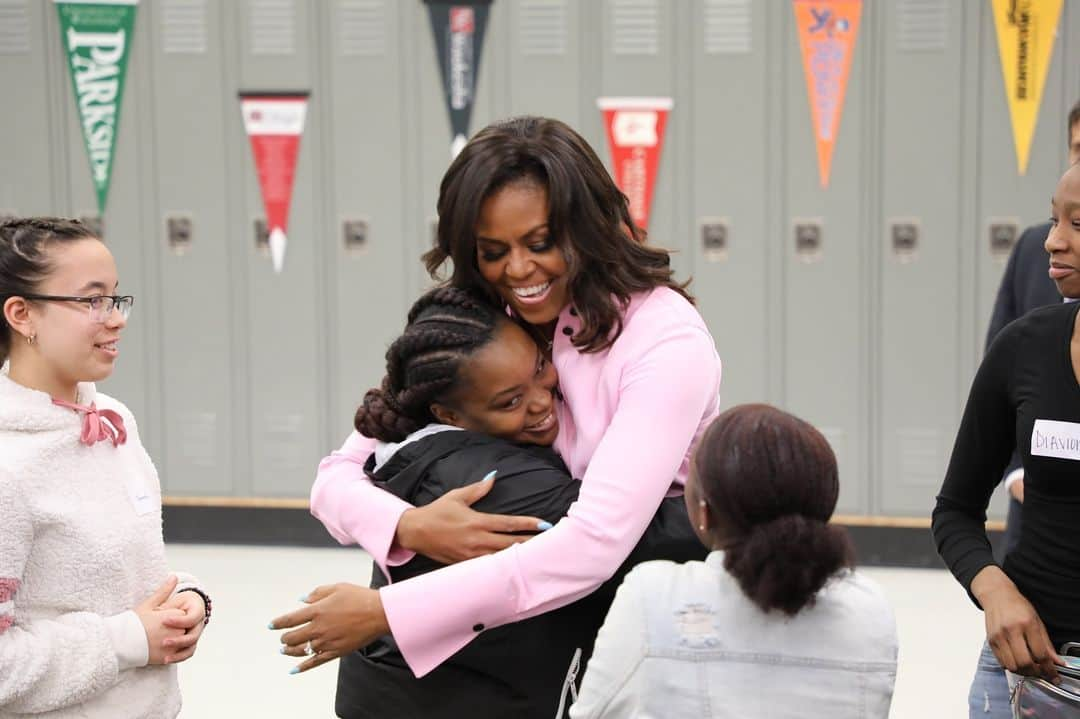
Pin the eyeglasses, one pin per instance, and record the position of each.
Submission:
(101, 306)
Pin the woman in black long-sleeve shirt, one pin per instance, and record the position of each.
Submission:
(1027, 393)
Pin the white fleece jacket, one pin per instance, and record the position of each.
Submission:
(80, 546)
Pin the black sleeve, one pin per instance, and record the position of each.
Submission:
(525, 484)
(986, 437)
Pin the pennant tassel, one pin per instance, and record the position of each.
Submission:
(277, 249)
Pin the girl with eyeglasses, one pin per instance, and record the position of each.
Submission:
(91, 620)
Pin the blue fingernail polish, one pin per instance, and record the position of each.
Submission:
(544, 526)
(489, 475)
(304, 599)
(282, 650)
(271, 626)
(294, 670)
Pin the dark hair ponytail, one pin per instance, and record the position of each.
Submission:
(23, 259)
(771, 481)
(782, 564)
(445, 326)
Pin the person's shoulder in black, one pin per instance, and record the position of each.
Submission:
(1025, 284)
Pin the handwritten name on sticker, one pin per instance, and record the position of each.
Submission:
(1050, 438)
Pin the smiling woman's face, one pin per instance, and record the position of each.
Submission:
(517, 254)
(506, 390)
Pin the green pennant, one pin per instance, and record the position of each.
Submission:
(96, 36)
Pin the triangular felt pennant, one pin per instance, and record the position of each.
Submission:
(96, 36)
(635, 130)
(827, 31)
(1025, 33)
(274, 123)
(459, 39)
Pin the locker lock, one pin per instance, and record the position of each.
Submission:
(714, 238)
(904, 237)
(262, 237)
(354, 235)
(178, 231)
(1003, 235)
(808, 239)
(96, 225)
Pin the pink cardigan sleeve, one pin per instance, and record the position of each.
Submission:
(353, 509)
(671, 387)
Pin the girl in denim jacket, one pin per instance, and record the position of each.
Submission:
(774, 622)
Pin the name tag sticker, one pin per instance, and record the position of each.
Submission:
(142, 499)
(1050, 438)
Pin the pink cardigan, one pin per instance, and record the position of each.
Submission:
(630, 418)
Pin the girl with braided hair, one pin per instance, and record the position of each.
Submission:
(467, 392)
(91, 621)
(532, 220)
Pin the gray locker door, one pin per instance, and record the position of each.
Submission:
(545, 69)
(33, 76)
(1003, 194)
(192, 95)
(731, 133)
(825, 352)
(367, 249)
(639, 58)
(284, 352)
(922, 52)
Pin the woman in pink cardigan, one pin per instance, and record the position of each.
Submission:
(530, 217)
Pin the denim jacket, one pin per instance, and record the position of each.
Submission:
(683, 640)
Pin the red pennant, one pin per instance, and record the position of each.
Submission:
(635, 130)
(274, 124)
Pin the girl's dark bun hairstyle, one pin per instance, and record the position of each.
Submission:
(771, 481)
(445, 327)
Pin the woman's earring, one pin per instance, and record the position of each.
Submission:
(30, 339)
(701, 503)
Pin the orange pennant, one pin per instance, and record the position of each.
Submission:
(827, 31)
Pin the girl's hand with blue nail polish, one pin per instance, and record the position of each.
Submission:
(449, 531)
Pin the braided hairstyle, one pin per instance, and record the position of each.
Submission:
(423, 365)
(24, 261)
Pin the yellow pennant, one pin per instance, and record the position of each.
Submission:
(1025, 32)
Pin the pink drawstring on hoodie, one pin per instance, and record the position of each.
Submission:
(98, 424)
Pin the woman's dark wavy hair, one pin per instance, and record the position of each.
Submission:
(770, 480)
(423, 365)
(24, 259)
(588, 216)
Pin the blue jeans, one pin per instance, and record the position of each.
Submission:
(989, 694)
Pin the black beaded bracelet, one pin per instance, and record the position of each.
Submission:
(205, 598)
